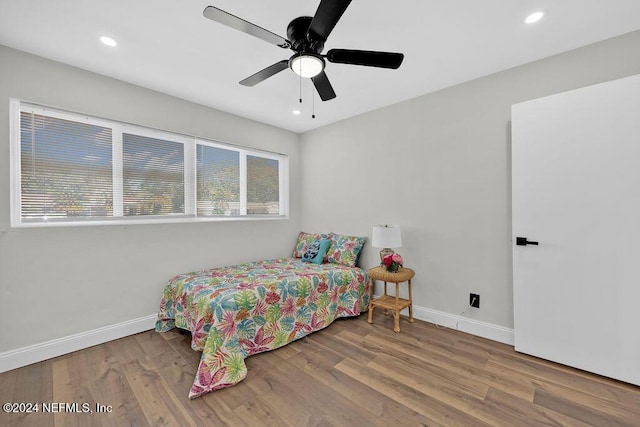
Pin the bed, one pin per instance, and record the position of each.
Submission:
(237, 311)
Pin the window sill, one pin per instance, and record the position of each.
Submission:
(144, 221)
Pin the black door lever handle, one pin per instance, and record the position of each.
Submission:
(522, 241)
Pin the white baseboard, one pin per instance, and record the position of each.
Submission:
(464, 324)
(38, 352)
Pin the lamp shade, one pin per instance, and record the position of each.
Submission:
(386, 236)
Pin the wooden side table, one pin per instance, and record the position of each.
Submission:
(391, 302)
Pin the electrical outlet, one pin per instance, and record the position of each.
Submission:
(474, 300)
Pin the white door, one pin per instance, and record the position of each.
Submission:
(576, 191)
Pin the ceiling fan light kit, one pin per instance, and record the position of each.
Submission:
(307, 36)
(306, 64)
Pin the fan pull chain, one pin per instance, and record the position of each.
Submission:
(300, 82)
(313, 104)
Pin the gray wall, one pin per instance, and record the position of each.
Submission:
(439, 165)
(55, 282)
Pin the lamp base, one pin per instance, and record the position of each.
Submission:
(384, 252)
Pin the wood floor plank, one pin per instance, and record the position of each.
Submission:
(161, 405)
(317, 365)
(344, 347)
(584, 413)
(613, 403)
(179, 375)
(333, 408)
(431, 353)
(28, 386)
(71, 387)
(420, 356)
(8, 384)
(255, 412)
(350, 373)
(547, 371)
(515, 411)
(437, 381)
(444, 390)
(435, 410)
(278, 394)
(460, 368)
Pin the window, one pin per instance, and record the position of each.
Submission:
(152, 176)
(66, 168)
(72, 169)
(218, 181)
(262, 185)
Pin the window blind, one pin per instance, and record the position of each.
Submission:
(217, 181)
(263, 191)
(71, 169)
(153, 176)
(66, 169)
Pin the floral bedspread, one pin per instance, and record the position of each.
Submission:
(234, 312)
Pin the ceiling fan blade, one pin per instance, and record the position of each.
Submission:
(225, 18)
(367, 58)
(266, 73)
(327, 16)
(321, 82)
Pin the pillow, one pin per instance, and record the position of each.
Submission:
(345, 250)
(316, 251)
(305, 239)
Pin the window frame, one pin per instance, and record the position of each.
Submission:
(118, 128)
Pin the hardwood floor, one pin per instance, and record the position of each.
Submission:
(351, 373)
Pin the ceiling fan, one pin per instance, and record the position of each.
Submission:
(306, 37)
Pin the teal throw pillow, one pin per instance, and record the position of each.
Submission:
(316, 251)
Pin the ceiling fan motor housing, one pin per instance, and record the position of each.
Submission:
(298, 34)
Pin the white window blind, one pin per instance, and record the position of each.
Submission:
(218, 181)
(73, 169)
(66, 168)
(263, 191)
(153, 176)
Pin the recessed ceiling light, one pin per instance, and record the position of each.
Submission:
(108, 41)
(296, 112)
(534, 17)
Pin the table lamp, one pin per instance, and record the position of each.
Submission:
(386, 236)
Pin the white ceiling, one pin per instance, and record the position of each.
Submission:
(168, 46)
